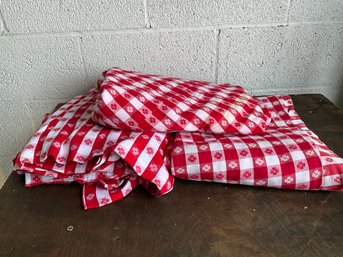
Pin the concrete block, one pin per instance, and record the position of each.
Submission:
(271, 59)
(186, 54)
(56, 16)
(21, 121)
(218, 12)
(40, 68)
(316, 10)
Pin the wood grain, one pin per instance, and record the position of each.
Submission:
(195, 219)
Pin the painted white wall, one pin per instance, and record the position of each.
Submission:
(51, 50)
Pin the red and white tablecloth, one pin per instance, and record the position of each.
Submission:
(110, 162)
(69, 146)
(132, 100)
(287, 155)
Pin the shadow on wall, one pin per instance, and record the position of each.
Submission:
(340, 92)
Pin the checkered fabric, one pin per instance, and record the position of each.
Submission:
(141, 102)
(110, 163)
(69, 146)
(288, 155)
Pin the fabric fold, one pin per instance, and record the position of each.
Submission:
(144, 130)
(136, 101)
(69, 147)
(287, 156)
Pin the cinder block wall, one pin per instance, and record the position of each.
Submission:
(51, 51)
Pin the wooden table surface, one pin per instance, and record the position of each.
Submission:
(195, 219)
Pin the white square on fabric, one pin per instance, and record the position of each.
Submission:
(302, 177)
(190, 127)
(248, 182)
(164, 88)
(107, 97)
(120, 90)
(148, 96)
(240, 146)
(123, 115)
(219, 166)
(138, 84)
(182, 106)
(143, 159)
(212, 106)
(160, 126)
(275, 181)
(191, 149)
(298, 155)
(215, 146)
(288, 142)
(202, 114)
(193, 169)
(162, 175)
(229, 116)
(264, 144)
(246, 163)
(173, 115)
(136, 103)
(272, 160)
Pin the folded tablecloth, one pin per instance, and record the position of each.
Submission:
(287, 155)
(277, 150)
(136, 101)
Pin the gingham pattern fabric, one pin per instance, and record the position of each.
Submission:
(141, 102)
(288, 155)
(69, 146)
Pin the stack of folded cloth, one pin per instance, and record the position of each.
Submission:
(139, 129)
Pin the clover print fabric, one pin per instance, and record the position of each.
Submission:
(144, 130)
(69, 146)
(141, 102)
(288, 155)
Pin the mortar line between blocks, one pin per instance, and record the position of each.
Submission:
(146, 14)
(167, 29)
(28, 101)
(83, 57)
(288, 9)
(216, 56)
(3, 28)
